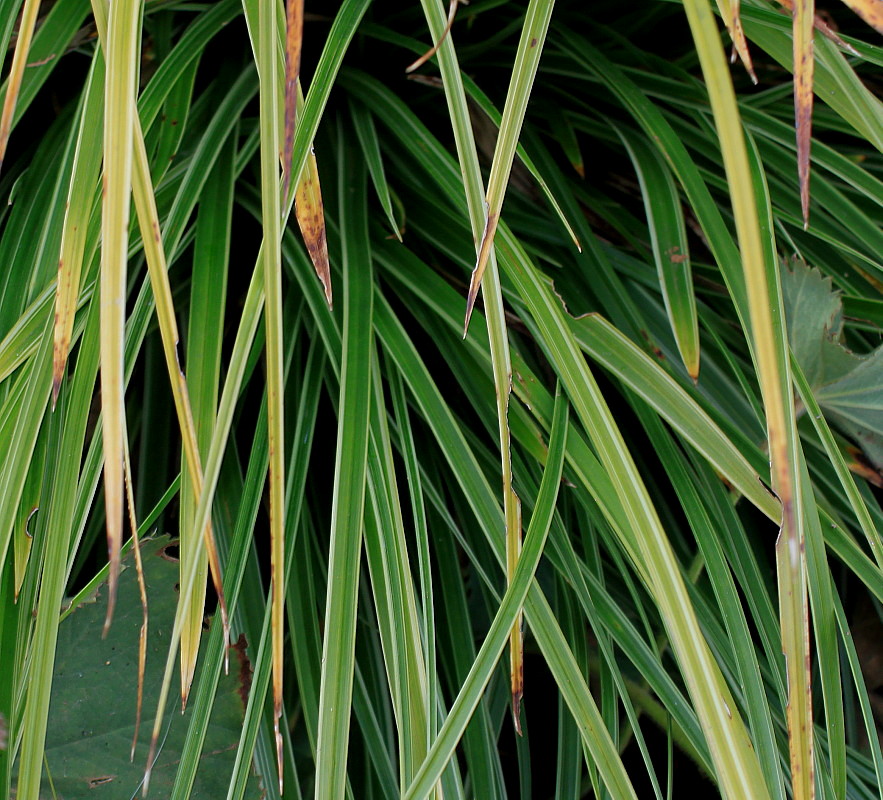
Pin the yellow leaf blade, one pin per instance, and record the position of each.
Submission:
(294, 31)
(804, 61)
(17, 71)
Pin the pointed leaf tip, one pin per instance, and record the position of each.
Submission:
(516, 712)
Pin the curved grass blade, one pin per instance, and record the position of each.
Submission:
(644, 538)
(487, 510)
(83, 189)
(363, 122)
(122, 58)
(527, 59)
(734, 757)
(670, 248)
(17, 70)
(507, 614)
(349, 483)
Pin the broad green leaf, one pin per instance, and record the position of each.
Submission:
(845, 385)
(92, 714)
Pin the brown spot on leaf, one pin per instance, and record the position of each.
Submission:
(674, 256)
(245, 670)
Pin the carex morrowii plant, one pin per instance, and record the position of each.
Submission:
(471, 401)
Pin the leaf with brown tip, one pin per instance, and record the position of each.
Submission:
(733, 21)
(871, 11)
(17, 70)
(487, 239)
(527, 60)
(310, 213)
(294, 31)
(823, 28)
(804, 62)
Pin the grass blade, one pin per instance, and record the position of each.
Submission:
(507, 614)
(527, 59)
(670, 249)
(349, 485)
(16, 71)
(271, 213)
(83, 189)
(294, 31)
(804, 62)
(122, 57)
(770, 351)
(311, 218)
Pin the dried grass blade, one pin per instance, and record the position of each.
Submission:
(733, 21)
(122, 55)
(804, 62)
(823, 28)
(871, 11)
(452, 13)
(17, 71)
(294, 31)
(148, 218)
(310, 213)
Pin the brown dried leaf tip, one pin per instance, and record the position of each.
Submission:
(310, 214)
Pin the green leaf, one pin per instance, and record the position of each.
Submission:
(92, 714)
(845, 385)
